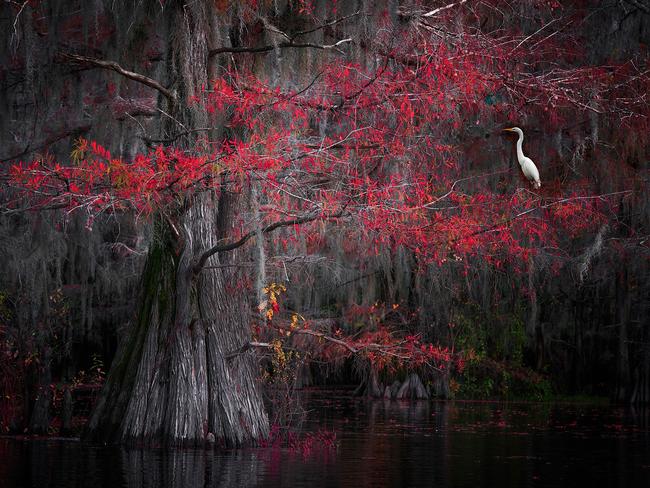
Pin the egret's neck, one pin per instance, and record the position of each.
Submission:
(520, 151)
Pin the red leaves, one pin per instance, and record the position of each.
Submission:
(96, 149)
(98, 182)
(375, 145)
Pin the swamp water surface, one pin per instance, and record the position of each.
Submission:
(378, 443)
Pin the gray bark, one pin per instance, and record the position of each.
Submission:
(172, 382)
(412, 388)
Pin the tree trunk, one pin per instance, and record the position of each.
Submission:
(39, 421)
(66, 414)
(412, 388)
(172, 383)
(624, 301)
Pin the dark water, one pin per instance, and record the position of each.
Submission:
(378, 444)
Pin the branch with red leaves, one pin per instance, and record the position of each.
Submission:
(386, 145)
(379, 347)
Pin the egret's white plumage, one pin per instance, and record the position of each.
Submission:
(528, 168)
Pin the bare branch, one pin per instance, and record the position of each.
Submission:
(176, 136)
(441, 9)
(80, 129)
(325, 337)
(15, 25)
(431, 13)
(281, 45)
(219, 248)
(526, 39)
(326, 24)
(248, 346)
(639, 5)
(112, 65)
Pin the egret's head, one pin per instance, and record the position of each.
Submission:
(516, 130)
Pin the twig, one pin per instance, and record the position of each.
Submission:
(326, 24)
(20, 11)
(248, 346)
(172, 138)
(539, 207)
(441, 9)
(47, 142)
(639, 5)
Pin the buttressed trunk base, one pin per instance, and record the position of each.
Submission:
(172, 382)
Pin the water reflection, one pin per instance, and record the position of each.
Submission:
(64, 463)
(380, 443)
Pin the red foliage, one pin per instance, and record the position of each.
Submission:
(306, 444)
(375, 150)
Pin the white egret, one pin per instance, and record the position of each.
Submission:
(527, 166)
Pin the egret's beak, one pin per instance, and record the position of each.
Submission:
(507, 130)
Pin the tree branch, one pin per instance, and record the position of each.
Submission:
(508, 220)
(219, 248)
(639, 5)
(80, 129)
(247, 346)
(174, 137)
(112, 65)
(327, 23)
(441, 9)
(398, 350)
(291, 40)
(431, 13)
(271, 47)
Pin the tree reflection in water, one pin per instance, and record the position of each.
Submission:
(379, 443)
